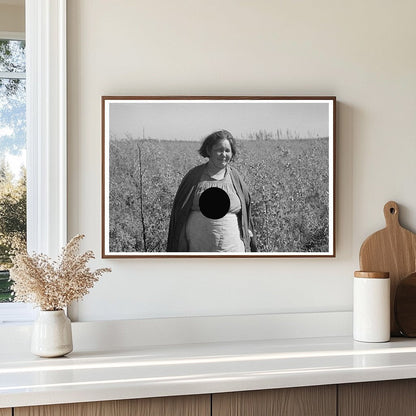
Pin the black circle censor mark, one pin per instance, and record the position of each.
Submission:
(214, 203)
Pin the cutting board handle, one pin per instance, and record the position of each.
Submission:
(391, 214)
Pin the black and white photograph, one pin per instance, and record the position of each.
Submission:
(218, 176)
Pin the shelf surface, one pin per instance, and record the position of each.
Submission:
(168, 370)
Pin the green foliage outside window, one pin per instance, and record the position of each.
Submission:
(12, 145)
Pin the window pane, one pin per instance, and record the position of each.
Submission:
(12, 117)
(12, 56)
(12, 158)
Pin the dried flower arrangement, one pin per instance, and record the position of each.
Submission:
(53, 285)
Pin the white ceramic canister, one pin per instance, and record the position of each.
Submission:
(371, 309)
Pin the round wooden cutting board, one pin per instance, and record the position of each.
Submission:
(405, 305)
(393, 250)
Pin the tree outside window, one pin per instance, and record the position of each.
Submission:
(12, 156)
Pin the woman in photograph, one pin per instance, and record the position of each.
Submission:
(211, 210)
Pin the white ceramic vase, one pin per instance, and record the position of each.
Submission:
(52, 334)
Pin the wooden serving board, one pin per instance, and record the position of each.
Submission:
(405, 305)
(393, 250)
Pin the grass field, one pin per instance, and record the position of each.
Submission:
(288, 180)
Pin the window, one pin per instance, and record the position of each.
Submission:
(12, 165)
(46, 135)
(12, 153)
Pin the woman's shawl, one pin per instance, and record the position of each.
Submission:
(182, 205)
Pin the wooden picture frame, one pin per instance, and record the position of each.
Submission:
(285, 155)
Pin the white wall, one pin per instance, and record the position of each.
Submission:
(363, 52)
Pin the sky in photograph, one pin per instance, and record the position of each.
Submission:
(194, 121)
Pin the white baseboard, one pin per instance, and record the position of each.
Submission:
(127, 334)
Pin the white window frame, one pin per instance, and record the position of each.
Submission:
(46, 134)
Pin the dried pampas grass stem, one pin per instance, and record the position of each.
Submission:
(53, 285)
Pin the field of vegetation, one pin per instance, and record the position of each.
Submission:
(288, 180)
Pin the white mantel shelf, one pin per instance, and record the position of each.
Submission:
(198, 368)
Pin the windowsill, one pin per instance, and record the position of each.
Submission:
(16, 313)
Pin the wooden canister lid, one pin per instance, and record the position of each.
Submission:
(372, 275)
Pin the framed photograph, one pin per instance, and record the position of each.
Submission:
(218, 176)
